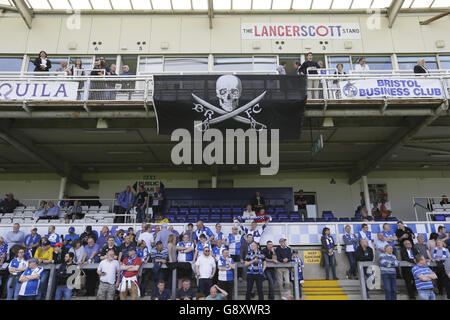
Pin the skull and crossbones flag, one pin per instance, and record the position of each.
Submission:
(230, 102)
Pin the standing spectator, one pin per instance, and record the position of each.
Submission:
(91, 251)
(104, 234)
(125, 202)
(65, 68)
(431, 243)
(58, 254)
(201, 246)
(78, 251)
(141, 204)
(388, 263)
(3, 252)
(31, 241)
(364, 253)
(30, 281)
(124, 248)
(174, 232)
(439, 255)
(226, 265)
(62, 276)
(296, 65)
(8, 204)
(351, 243)
(263, 215)
(389, 236)
(147, 236)
(254, 230)
(160, 292)
(189, 232)
(380, 244)
(218, 249)
(14, 237)
(366, 234)
(185, 258)
(157, 198)
(113, 70)
(205, 268)
(245, 249)
(78, 69)
(42, 63)
(234, 243)
(172, 253)
(249, 213)
(407, 253)
(301, 203)
(159, 256)
(75, 212)
(256, 265)
(44, 254)
(423, 276)
(258, 202)
(421, 247)
(309, 68)
(69, 238)
(213, 295)
(284, 255)
(186, 292)
(281, 69)
(271, 256)
(110, 245)
(447, 271)
(139, 232)
(420, 67)
(52, 236)
(142, 251)
(202, 229)
(442, 233)
(88, 233)
(328, 256)
(16, 267)
(218, 234)
(298, 268)
(404, 233)
(129, 272)
(107, 270)
(163, 235)
(362, 65)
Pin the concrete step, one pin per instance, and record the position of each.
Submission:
(326, 297)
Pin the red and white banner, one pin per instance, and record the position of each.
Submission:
(294, 30)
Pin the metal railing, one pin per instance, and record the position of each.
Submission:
(429, 206)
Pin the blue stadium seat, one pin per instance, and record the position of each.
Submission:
(354, 219)
(295, 217)
(180, 218)
(321, 220)
(214, 218)
(184, 210)
(226, 218)
(237, 210)
(205, 210)
(194, 210)
(283, 217)
(173, 210)
(191, 218)
(392, 219)
(380, 219)
(439, 217)
(327, 215)
(309, 220)
(333, 219)
(204, 217)
(280, 209)
(215, 210)
(170, 217)
(226, 210)
(270, 210)
(344, 219)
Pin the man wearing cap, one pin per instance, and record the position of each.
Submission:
(58, 254)
(108, 269)
(52, 236)
(31, 242)
(44, 254)
(30, 281)
(72, 236)
(284, 255)
(127, 282)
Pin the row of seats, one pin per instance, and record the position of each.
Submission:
(218, 210)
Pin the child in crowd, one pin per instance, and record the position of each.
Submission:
(300, 266)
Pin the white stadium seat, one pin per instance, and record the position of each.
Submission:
(6, 221)
(93, 208)
(32, 208)
(84, 208)
(104, 208)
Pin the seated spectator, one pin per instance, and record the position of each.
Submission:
(186, 292)
(42, 63)
(328, 256)
(41, 212)
(385, 213)
(69, 238)
(58, 254)
(444, 200)
(3, 251)
(75, 212)
(299, 269)
(129, 273)
(214, 295)
(52, 236)
(421, 247)
(351, 243)
(44, 254)
(108, 270)
(420, 67)
(91, 251)
(125, 247)
(423, 276)
(249, 213)
(30, 281)
(160, 256)
(31, 241)
(364, 253)
(388, 263)
(439, 255)
(258, 202)
(88, 233)
(16, 268)
(365, 215)
(407, 253)
(161, 219)
(205, 268)
(110, 245)
(78, 251)
(8, 204)
(132, 235)
(52, 210)
(380, 244)
(15, 236)
(62, 277)
(404, 233)
(118, 239)
(160, 292)
(104, 234)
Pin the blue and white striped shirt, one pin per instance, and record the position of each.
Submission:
(142, 253)
(15, 263)
(257, 233)
(201, 246)
(217, 252)
(255, 268)
(234, 244)
(225, 275)
(442, 254)
(388, 262)
(300, 265)
(186, 257)
(205, 230)
(161, 255)
(30, 288)
(53, 238)
(418, 270)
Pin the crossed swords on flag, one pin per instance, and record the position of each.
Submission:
(227, 115)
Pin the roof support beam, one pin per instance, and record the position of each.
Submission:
(400, 138)
(393, 11)
(210, 13)
(439, 16)
(24, 11)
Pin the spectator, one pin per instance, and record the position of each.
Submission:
(97, 70)
(380, 244)
(129, 272)
(172, 253)
(156, 230)
(126, 72)
(58, 254)
(388, 263)
(30, 281)
(189, 232)
(271, 256)
(201, 296)
(44, 254)
(142, 251)
(199, 249)
(262, 213)
(362, 66)
(366, 234)
(42, 63)
(234, 243)
(125, 247)
(113, 70)
(141, 204)
(339, 71)
(439, 255)
(246, 248)
(351, 243)
(384, 211)
(213, 295)
(256, 265)
(78, 69)
(157, 196)
(31, 241)
(3, 252)
(404, 233)
(174, 232)
(431, 243)
(447, 271)
(226, 265)
(14, 237)
(365, 215)
(258, 202)
(132, 235)
(163, 235)
(91, 251)
(420, 67)
(284, 255)
(205, 268)
(389, 236)
(52, 236)
(254, 230)
(328, 256)
(16, 268)
(249, 213)
(281, 69)
(138, 234)
(104, 234)
(444, 200)
(407, 253)
(41, 212)
(301, 203)
(423, 276)
(69, 238)
(62, 276)
(311, 65)
(118, 239)
(75, 212)
(110, 245)
(125, 202)
(185, 257)
(161, 219)
(159, 256)
(65, 68)
(298, 268)
(364, 253)
(160, 292)
(52, 211)
(421, 247)
(218, 234)
(88, 233)
(202, 229)
(107, 270)
(147, 236)
(218, 249)
(102, 65)
(186, 292)
(442, 233)
(78, 251)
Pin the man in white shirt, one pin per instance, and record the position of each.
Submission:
(107, 271)
(147, 236)
(362, 66)
(249, 213)
(205, 268)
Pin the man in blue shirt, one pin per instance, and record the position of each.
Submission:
(202, 229)
(389, 236)
(70, 237)
(52, 236)
(125, 202)
(256, 265)
(52, 210)
(226, 267)
(423, 276)
(30, 281)
(31, 242)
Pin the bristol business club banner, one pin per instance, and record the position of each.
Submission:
(230, 102)
(293, 30)
(399, 88)
(38, 90)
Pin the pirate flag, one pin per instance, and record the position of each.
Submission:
(230, 102)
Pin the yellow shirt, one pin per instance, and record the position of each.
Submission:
(162, 221)
(41, 254)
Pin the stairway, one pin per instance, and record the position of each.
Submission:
(323, 290)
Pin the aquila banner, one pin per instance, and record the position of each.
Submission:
(398, 88)
(38, 90)
(294, 30)
(230, 102)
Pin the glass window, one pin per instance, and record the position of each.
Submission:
(290, 70)
(233, 64)
(9, 64)
(375, 62)
(334, 61)
(150, 64)
(131, 62)
(409, 62)
(56, 63)
(265, 64)
(186, 64)
(445, 62)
